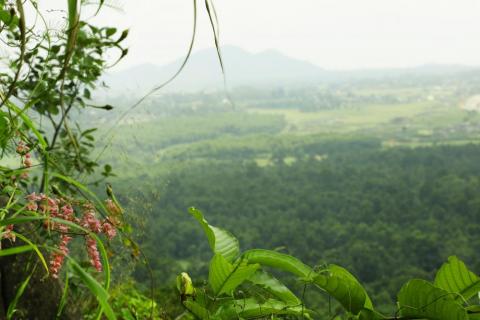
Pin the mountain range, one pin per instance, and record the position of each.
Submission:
(267, 68)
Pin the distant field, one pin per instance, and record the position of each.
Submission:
(264, 135)
(424, 114)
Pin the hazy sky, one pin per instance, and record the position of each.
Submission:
(334, 34)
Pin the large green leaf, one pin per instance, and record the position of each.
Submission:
(276, 288)
(455, 277)
(224, 277)
(473, 312)
(279, 261)
(421, 299)
(344, 287)
(252, 309)
(197, 310)
(221, 241)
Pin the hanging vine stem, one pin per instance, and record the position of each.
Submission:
(213, 18)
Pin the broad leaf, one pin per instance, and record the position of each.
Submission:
(473, 312)
(225, 277)
(344, 287)
(279, 261)
(421, 299)
(252, 309)
(455, 277)
(197, 310)
(221, 241)
(276, 288)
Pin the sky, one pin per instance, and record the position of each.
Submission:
(333, 34)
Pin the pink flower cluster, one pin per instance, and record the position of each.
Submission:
(56, 261)
(8, 234)
(22, 148)
(63, 209)
(92, 251)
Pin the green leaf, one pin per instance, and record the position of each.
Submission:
(110, 31)
(28, 123)
(15, 250)
(225, 277)
(276, 288)
(279, 261)
(12, 306)
(455, 277)
(367, 314)
(421, 299)
(344, 287)
(63, 300)
(197, 310)
(96, 288)
(5, 130)
(8, 19)
(35, 248)
(221, 241)
(473, 312)
(252, 309)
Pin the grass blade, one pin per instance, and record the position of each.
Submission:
(96, 288)
(35, 248)
(63, 300)
(12, 306)
(15, 250)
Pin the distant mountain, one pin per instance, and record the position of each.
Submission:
(269, 67)
(203, 71)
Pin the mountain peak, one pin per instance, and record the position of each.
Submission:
(203, 70)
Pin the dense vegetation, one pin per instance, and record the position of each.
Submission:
(387, 215)
(350, 189)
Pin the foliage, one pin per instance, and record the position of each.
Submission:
(222, 298)
(48, 76)
(130, 304)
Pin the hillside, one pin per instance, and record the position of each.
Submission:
(264, 69)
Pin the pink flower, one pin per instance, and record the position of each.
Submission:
(22, 148)
(33, 197)
(8, 234)
(89, 221)
(27, 162)
(67, 212)
(32, 206)
(58, 257)
(109, 230)
(93, 253)
(49, 205)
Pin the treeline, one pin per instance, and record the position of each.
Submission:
(386, 215)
